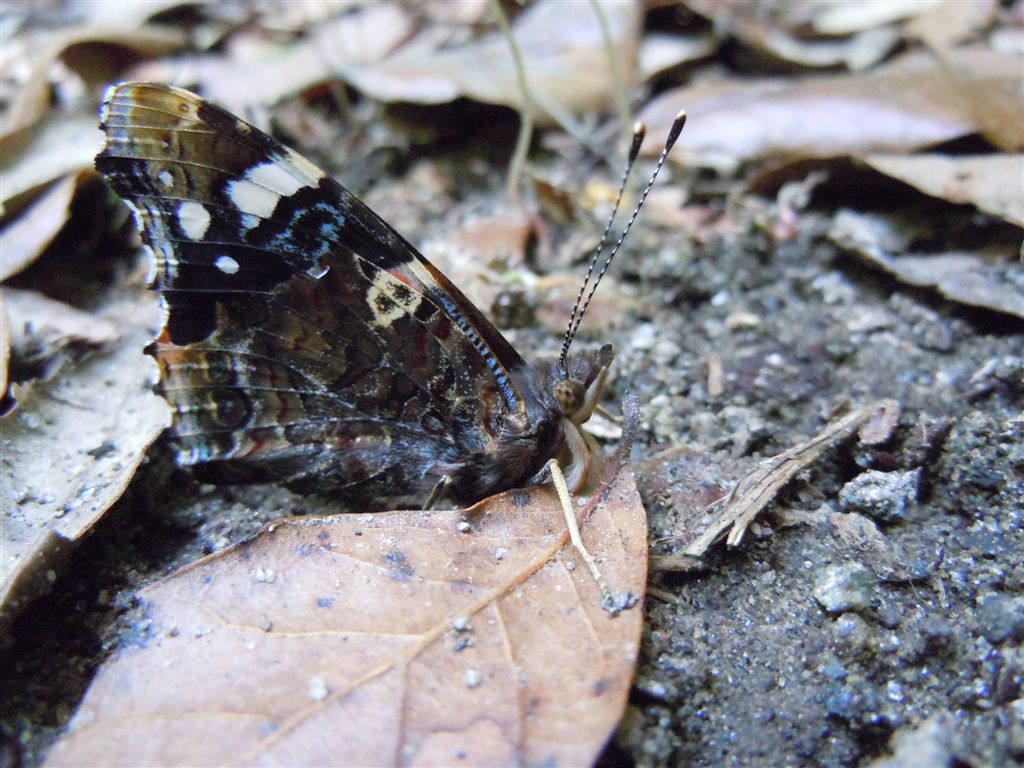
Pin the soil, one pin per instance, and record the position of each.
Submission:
(742, 663)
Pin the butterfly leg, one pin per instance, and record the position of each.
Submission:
(608, 414)
(437, 491)
(608, 600)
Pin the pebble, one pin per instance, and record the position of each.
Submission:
(856, 702)
(1000, 616)
(885, 496)
(851, 634)
(844, 587)
(927, 744)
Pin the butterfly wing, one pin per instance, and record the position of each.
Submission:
(305, 340)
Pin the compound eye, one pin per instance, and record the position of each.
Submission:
(569, 395)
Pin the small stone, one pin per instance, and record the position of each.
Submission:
(644, 337)
(473, 678)
(852, 635)
(844, 587)
(317, 689)
(927, 744)
(936, 631)
(834, 669)
(884, 496)
(887, 613)
(1000, 617)
(856, 702)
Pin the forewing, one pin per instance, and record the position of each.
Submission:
(304, 339)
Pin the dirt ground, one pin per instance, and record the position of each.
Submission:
(741, 663)
(806, 644)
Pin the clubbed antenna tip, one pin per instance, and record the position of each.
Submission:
(676, 129)
(639, 131)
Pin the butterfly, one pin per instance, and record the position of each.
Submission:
(306, 342)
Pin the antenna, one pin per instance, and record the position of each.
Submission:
(639, 131)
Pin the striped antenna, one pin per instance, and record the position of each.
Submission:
(580, 308)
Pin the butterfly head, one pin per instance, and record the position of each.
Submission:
(578, 383)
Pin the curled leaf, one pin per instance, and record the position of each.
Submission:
(990, 182)
(70, 450)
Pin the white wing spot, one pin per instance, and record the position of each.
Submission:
(165, 178)
(318, 272)
(263, 185)
(226, 264)
(193, 219)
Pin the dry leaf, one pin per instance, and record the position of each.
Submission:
(661, 52)
(964, 277)
(128, 14)
(567, 72)
(33, 98)
(24, 239)
(779, 32)
(847, 16)
(257, 70)
(950, 22)
(905, 107)
(45, 332)
(986, 86)
(49, 150)
(379, 639)
(969, 278)
(5, 355)
(69, 451)
(992, 183)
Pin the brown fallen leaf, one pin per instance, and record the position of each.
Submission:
(660, 52)
(567, 73)
(5, 355)
(389, 638)
(974, 279)
(257, 69)
(992, 183)
(948, 23)
(46, 333)
(30, 234)
(69, 451)
(845, 16)
(910, 105)
(32, 100)
(986, 86)
(50, 149)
